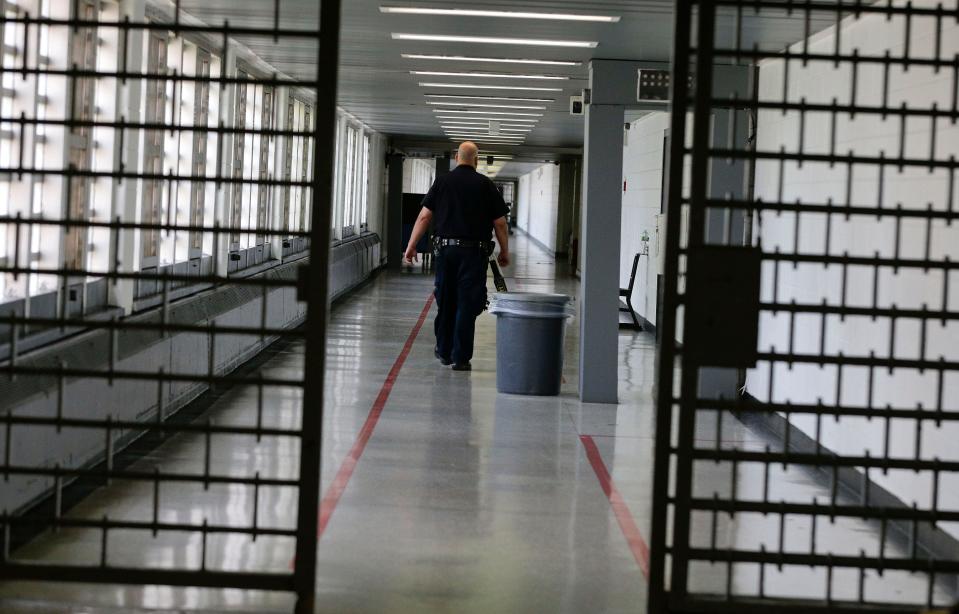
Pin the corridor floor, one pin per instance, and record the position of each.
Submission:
(461, 500)
(448, 497)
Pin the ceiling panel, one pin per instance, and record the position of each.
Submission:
(376, 85)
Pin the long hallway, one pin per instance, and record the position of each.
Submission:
(438, 493)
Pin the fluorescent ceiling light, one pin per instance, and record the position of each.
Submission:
(471, 135)
(468, 135)
(494, 40)
(506, 121)
(477, 86)
(482, 97)
(485, 106)
(462, 131)
(489, 142)
(484, 126)
(448, 126)
(529, 122)
(491, 75)
(465, 58)
(418, 10)
(466, 112)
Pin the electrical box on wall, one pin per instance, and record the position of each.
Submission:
(652, 85)
(576, 105)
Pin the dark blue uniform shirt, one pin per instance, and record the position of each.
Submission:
(464, 204)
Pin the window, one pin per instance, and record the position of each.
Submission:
(297, 165)
(355, 169)
(9, 51)
(201, 117)
(81, 107)
(253, 160)
(41, 93)
(266, 150)
(306, 167)
(337, 175)
(156, 104)
(350, 181)
(365, 183)
(181, 152)
(239, 142)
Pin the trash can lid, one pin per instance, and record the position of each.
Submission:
(533, 297)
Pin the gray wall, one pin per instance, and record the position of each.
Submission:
(189, 353)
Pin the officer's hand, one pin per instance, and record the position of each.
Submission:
(503, 258)
(411, 255)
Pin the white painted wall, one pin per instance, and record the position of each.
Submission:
(866, 135)
(521, 206)
(643, 176)
(418, 175)
(538, 200)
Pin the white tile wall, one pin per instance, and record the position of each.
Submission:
(917, 188)
(538, 200)
(642, 197)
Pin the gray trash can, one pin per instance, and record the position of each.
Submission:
(530, 330)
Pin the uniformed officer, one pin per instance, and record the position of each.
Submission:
(467, 209)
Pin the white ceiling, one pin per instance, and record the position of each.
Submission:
(376, 86)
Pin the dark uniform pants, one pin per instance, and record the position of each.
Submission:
(461, 297)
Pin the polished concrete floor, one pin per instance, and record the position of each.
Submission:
(461, 500)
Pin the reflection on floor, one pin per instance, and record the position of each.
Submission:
(463, 500)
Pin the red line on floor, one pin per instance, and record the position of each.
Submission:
(345, 472)
(634, 538)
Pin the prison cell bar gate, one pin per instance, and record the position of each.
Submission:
(311, 285)
(719, 270)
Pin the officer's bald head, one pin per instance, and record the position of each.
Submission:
(468, 153)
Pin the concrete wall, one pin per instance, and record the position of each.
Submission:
(538, 201)
(188, 353)
(865, 135)
(642, 198)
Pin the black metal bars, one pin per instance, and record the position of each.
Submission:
(147, 278)
(820, 473)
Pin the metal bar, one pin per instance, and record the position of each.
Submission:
(917, 414)
(129, 324)
(830, 209)
(96, 523)
(821, 560)
(166, 178)
(820, 460)
(314, 369)
(805, 157)
(150, 25)
(147, 577)
(121, 474)
(865, 261)
(696, 236)
(66, 273)
(225, 379)
(71, 122)
(665, 356)
(133, 425)
(847, 511)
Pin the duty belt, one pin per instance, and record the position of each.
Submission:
(440, 242)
